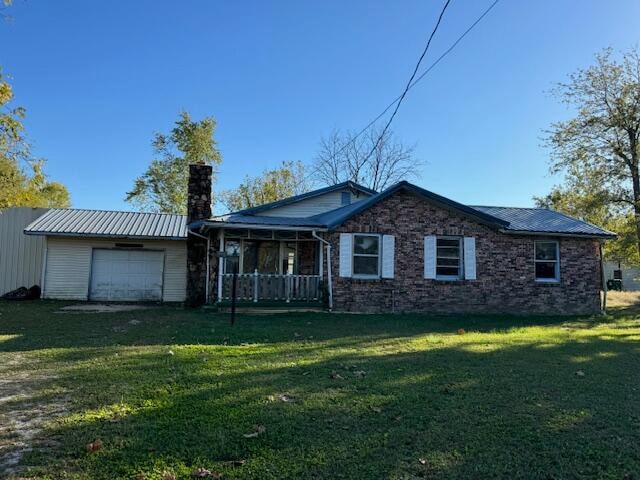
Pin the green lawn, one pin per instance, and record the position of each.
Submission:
(168, 391)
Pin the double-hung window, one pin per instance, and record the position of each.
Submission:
(448, 258)
(547, 261)
(366, 255)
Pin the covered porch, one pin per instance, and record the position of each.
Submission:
(271, 265)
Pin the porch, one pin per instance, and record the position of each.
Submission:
(271, 266)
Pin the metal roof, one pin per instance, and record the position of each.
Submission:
(543, 220)
(507, 219)
(105, 223)
(243, 219)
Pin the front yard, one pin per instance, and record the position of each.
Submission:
(163, 392)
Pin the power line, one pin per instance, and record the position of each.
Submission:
(413, 75)
(420, 77)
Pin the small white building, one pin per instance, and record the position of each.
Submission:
(112, 256)
(629, 275)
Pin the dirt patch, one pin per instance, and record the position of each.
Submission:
(104, 308)
(23, 412)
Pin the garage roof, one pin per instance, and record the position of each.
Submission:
(107, 223)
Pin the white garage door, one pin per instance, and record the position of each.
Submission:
(126, 275)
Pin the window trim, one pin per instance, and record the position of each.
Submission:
(451, 278)
(354, 254)
(556, 279)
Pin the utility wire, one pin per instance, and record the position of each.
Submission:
(420, 77)
(413, 75)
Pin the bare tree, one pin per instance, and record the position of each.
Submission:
(375, 164)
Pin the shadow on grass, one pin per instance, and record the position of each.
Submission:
(41, 325)
(406, 403)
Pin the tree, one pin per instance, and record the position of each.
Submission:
(18, 187)
(598, 149)
(364, 159)
(163, 187)
(272, 185)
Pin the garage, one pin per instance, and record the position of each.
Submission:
(126, 275)
(112, 256)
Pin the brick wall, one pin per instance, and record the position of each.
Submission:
(505, 267)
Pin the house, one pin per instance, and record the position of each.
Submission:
(400, 250)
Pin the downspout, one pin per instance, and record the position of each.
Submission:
(604, 281)
(329, 281)
(206, 280)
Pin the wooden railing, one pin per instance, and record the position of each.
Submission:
(262, 286)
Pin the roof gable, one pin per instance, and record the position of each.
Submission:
(306, 196)
(337, 217)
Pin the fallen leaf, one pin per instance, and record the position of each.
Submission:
(286, 398)
(398, 418)
(296, 334)
(360, 373)
(204, 473)
(170, 352)
(141, 476)
(376, 409)
(461, 331)
(257, 430)
(94, 446)
(168, 476)
(336, 376)
(579, 373)
(422, 461)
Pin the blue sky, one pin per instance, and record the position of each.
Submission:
(99, 78)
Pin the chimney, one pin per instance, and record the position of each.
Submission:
(198, 208)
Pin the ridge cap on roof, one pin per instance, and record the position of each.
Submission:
(112, 211)
(514, 208)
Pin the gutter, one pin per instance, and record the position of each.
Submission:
(254, 226)
(206, 280)
(329, 279)
(558, 234)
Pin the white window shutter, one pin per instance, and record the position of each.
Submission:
(388, 255)
(469, 258)
(430, 256)
(346, 251)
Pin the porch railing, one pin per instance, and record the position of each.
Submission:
(263, 286)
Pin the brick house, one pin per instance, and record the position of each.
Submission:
(405, 249)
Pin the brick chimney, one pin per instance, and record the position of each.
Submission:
(198, 208)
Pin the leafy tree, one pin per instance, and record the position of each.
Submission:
(18, 186)
(598, 149)
(163, 187)
(364, 159)
(287, 180)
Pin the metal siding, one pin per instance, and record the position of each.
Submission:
(68, 269)
(20, 255)
(312, 206)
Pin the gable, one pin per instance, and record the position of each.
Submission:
(316, 205)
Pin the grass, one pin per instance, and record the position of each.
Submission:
(168, 391)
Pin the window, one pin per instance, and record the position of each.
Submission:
(448, 258)
(261, 255)
(346, 198)
(547, 261)
(366, 255)
(232, 252)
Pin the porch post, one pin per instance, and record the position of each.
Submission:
(220, 264)
(255, 285)
(329, 280)
(321, 266)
